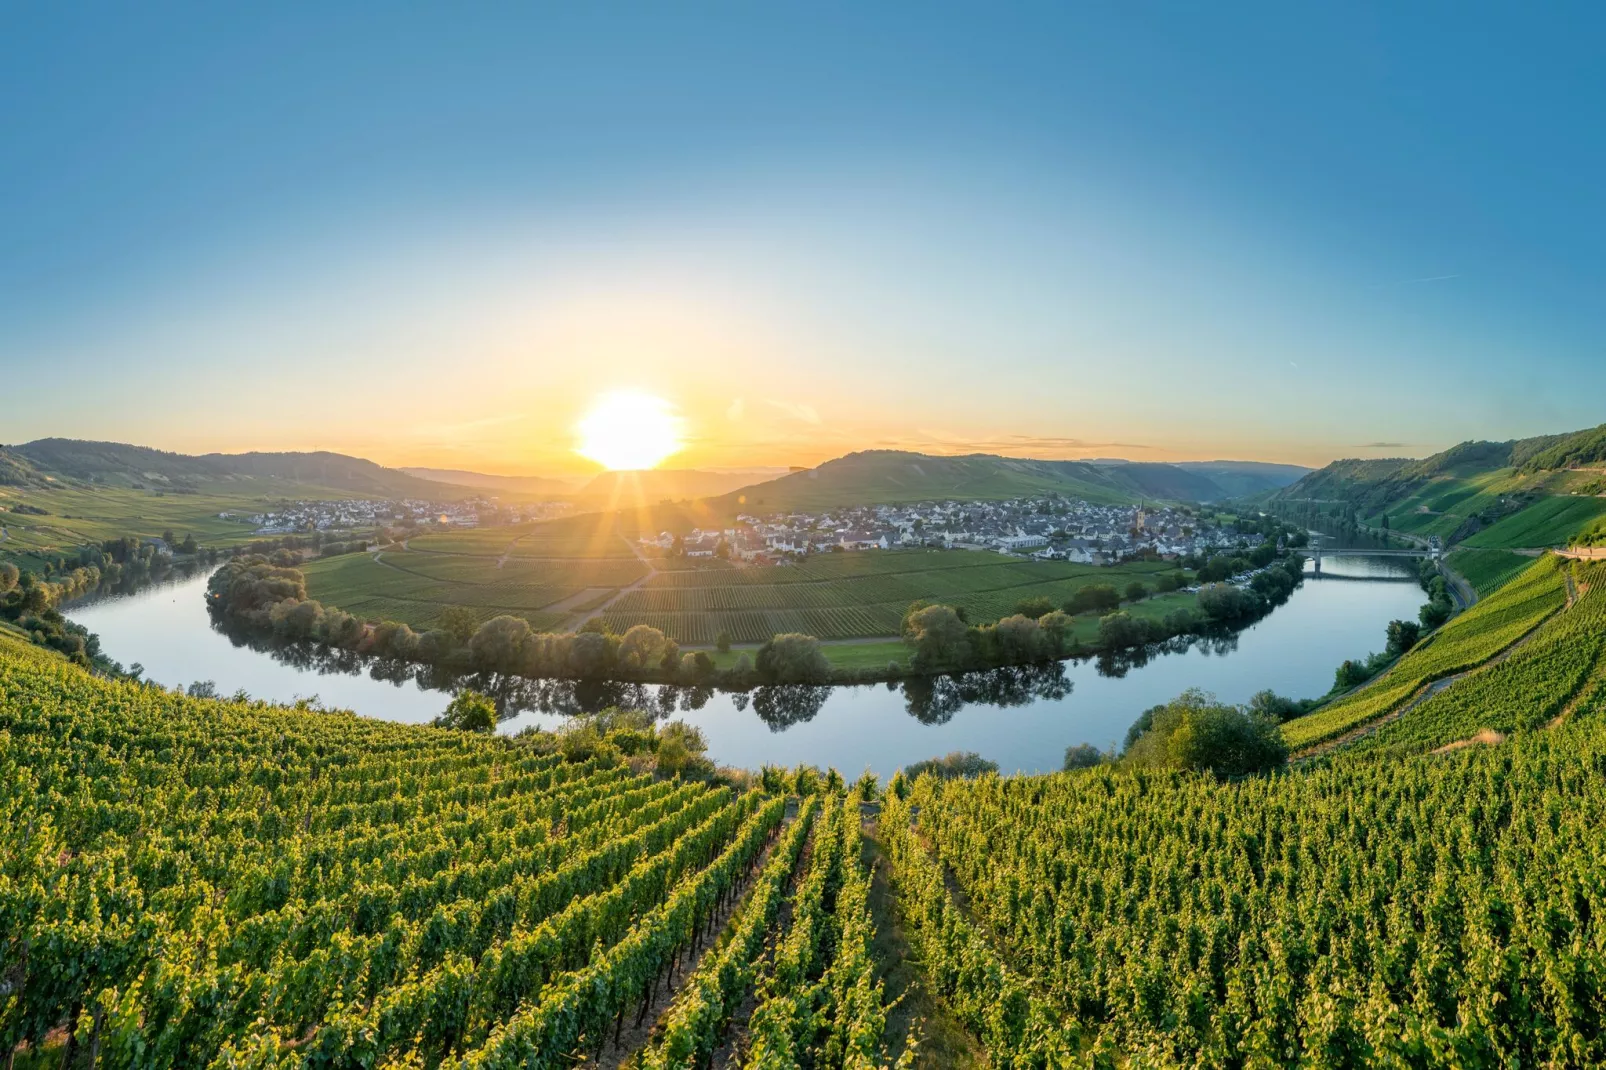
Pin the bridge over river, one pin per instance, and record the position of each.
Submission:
(1317, 552)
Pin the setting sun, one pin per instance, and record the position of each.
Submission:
(629, 431)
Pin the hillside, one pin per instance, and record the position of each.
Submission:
(1241, 479)
(875, 477)
(1578, 450)
(1457, 493)
(118, 464)
(17, 471)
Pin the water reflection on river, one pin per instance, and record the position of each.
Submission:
(1021, 718)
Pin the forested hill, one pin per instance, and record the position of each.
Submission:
(1459, 492)
(876, 477)
(123, 465)
(1373, 483)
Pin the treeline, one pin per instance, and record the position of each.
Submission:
(943, 641)
(255, 591)
(268, 595)
(28, 603)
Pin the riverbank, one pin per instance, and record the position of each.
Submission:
(1023, 719)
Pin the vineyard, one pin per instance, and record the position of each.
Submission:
(1547, 522)
(195, 882)
(1467, 641)
(832, 596)
(1428, 911)
(1487, 570)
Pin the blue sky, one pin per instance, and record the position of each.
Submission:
(432, 236)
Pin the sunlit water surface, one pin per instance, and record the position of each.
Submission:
(1023, 721)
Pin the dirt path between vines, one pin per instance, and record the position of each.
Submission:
(1422, 694)
(914, 1011)
(1488, 738)
(509, 551)
(633, 1037)
(574, 623)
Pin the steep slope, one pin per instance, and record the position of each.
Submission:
(1578, 450)
(18, 471)
(1452, 494)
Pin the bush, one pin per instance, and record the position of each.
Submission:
(952, 766)
(1122, 631)
(1082, 756)
(1402, 636)
(722, 642)
(939, 637)
(470, 711)
(1035, 606)
(681, 751)
(1094, 598)
(792, 658)
(1271, 705)
(1136, 591)
(1196, 732)
(1224, 602)
(1433, 614)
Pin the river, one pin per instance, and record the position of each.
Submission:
(1021, 720)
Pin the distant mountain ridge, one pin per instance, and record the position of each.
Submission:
(884, 477)
(557, 488)
(121, 464)
(655, 485)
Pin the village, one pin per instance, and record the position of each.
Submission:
(358, 513)
(1047, 528)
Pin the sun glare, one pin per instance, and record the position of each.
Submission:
(628, 431)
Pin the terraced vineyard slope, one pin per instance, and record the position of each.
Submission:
(1466, 642)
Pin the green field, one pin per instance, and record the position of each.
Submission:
(1547, 522)
(832, 596)
(1467, 641)
(1487, 570)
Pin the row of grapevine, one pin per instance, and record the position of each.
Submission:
(1524, 692)
(194, 881)
(696, 1022)
(1371, 910)
(820, 1004)
(995, 1002)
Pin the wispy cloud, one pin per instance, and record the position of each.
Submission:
(1384, 445)
(1044, 446)
(737, 410)
(797, 411)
